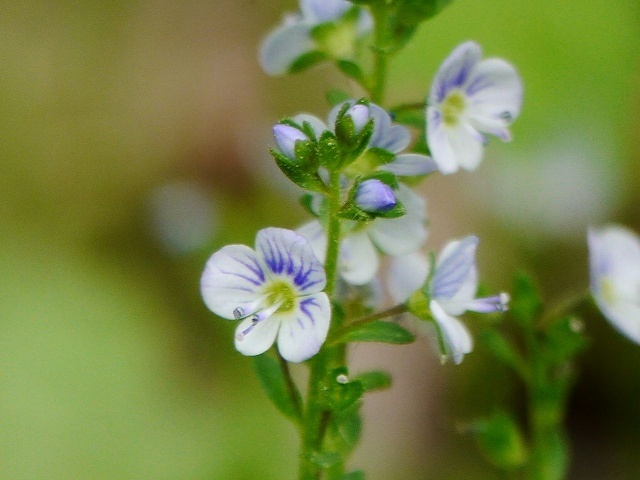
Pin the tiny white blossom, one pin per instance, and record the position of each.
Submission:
(452, 291)
(275, 290)
(614, 254)
(470, 98)
(293, 39)
(358, 260)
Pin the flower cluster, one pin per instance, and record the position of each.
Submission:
(357, 167)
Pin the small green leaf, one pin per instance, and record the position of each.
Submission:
(500, 439)
(504, 351)
(306, 60)
(339, 393)
(336, 97)
(374, 380)
(347, 427)
(378, 331)
(275, 385)
(351, 70)
(564, 339)
(525, 306)
(413, 12)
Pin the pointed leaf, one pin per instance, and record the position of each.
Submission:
(378, 331)
(500, 439)
(275, 385)
(374, 380)
(351, 70)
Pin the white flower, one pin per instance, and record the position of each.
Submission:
(275, 290)
(293, 39)
(469, 98)
(614, 254)
(358, 258)
(452, 291)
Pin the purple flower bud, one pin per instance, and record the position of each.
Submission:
(359, 115)
(286, 137)
(375, 196)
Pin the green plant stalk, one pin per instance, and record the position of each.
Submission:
(378, 82)
(316, 417)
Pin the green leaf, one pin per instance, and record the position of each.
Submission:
(378, 331)
(374, 380)
(504, 351)
(351, 70)
(525, 306)
(552, 456)
(340, 395)
(303, 175)
(413, 12)
(346, 428)
(501, 441)
(275, 385)
(564, 339)
(336, 97)
(306, 60)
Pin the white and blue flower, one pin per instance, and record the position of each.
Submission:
(293, 39)
(275, 290)
(614, 254)
(451, 290)
(470, 98)
(358, 260)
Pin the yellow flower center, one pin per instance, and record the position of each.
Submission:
(452, 107)
(280, 292)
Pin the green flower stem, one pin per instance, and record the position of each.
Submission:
(378, 82)
(333, 233)
(389, 312)
(310, 437)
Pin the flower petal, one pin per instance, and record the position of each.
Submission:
(614, 257)
(233, 277)
(455, 71)
(283, 46)
(411, 164)
(260, 337)
(303, 332)
(320, 11)
(455, 277)
(314, 233)
(406, 234)
(358, 261)
(317, 125)
(407, 273)
(390, 137)
(286, 253)
(494, 94)
(456, 337)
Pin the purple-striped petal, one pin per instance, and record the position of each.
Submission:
(233, 277)
(455, 71)
(256, 338)
(457, 339)
(455, 269)
(286, 253)
(303, 331)
(411, 164)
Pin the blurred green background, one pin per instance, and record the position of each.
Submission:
(134, 142)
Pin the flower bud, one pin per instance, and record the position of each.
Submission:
(286, 137)
(359, 115)
(374, 196)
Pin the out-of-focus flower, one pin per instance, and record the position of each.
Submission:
(358, 258)
(614, 254)
(300, 35)
(275, 290)
(451, 291)
(469, 98)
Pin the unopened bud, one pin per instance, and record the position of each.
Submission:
(286, 137)
(374, 196)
